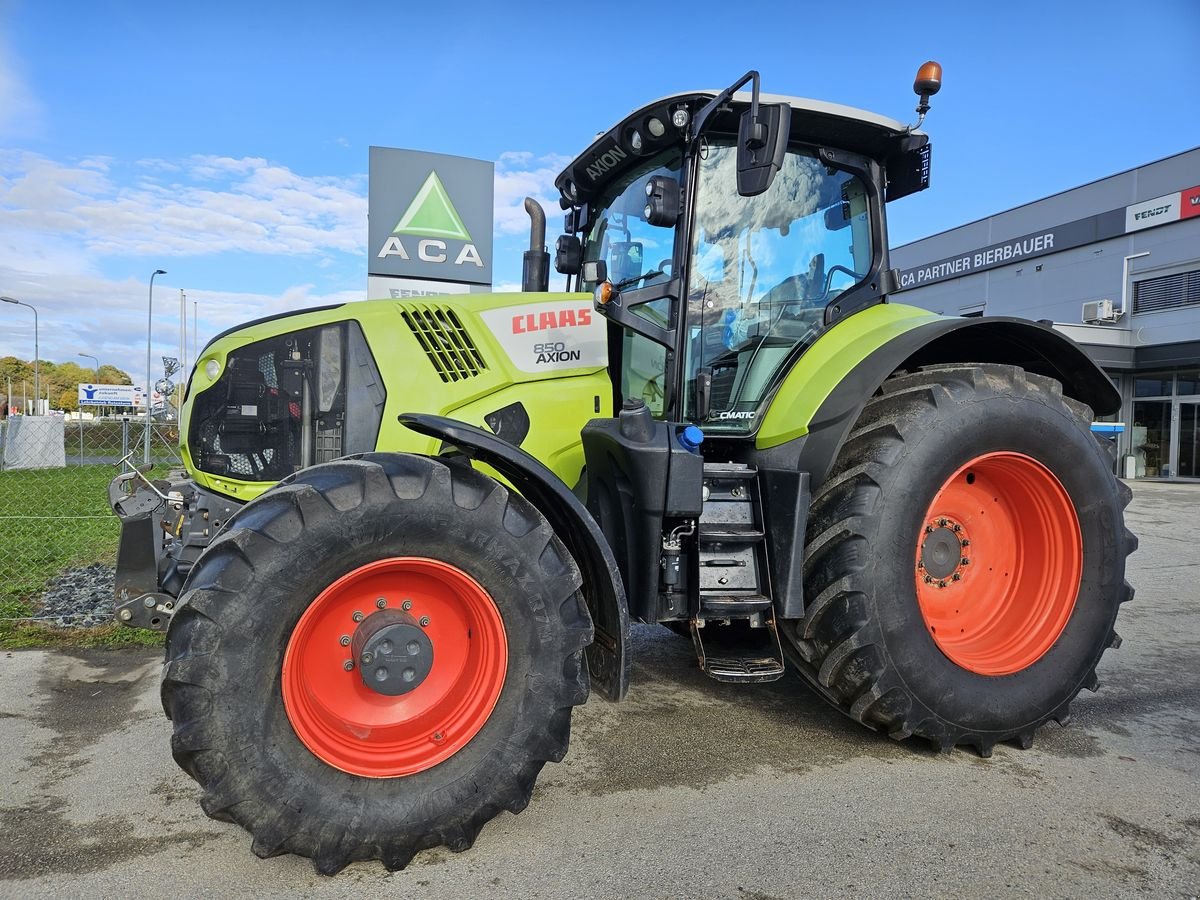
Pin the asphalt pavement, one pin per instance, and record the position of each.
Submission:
(690, 788)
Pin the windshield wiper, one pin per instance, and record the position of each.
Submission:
(629, 282)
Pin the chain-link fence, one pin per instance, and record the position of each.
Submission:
(58, 536)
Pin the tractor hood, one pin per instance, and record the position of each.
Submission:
(297, 389)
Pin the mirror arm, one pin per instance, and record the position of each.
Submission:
(706, 112)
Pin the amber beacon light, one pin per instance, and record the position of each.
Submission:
(927, 83)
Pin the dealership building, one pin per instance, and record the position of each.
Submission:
(1115, 264)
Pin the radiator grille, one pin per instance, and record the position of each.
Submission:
(447, 344)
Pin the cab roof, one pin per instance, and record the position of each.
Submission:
(813, 121)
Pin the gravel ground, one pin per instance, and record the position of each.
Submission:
(80, 597)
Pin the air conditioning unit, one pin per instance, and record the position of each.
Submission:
(1097, 312)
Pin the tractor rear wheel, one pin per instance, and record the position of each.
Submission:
(965, 559)
(375, 658)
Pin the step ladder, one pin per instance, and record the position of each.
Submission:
(734, 581)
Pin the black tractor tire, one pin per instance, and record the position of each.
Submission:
(864, 643)
(222, 683)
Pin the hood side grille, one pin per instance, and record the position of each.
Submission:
(447, 344)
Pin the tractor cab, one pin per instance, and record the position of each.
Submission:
(722, 232)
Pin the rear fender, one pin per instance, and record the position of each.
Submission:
(608, 656)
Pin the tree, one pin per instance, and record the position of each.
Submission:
(68, 400)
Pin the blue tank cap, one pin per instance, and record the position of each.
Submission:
(691, 438)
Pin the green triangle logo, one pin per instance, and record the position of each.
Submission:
(432, 214)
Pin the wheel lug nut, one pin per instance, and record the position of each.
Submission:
(942, 523)
(965, 542)
(929, 529)
(381, 602)
(964, 561)
(957, 527)
(407, 604)
(358, 616)
(423, 621)
(920, 564)
(956, 576)
(344, 640)
(348, 665)
(928, 579)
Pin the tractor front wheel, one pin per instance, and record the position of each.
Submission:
(965, 559)
(375, 658)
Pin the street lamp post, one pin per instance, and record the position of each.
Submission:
(149, 375)
(37, 376)
(93, 359)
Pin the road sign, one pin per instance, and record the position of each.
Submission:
(111, 395)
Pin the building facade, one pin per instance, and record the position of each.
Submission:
(1115, 264)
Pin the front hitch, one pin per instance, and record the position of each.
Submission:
(137, 598)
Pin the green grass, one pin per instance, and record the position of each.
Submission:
(39, 543)
(51, 520)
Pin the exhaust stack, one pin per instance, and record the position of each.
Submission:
(535, 268)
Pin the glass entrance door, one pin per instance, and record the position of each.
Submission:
(1150, 437)
(1188, 445)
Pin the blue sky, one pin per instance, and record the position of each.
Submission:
(227, 143)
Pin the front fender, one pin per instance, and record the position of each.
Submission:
(608, 656)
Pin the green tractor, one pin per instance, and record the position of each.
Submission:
(412, 535)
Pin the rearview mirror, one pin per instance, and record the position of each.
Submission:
(594, 272)
(761, 147)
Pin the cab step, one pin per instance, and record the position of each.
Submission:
(722, 533)
(733, 607)
(745, 667)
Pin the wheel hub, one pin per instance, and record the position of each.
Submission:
(943, 552)
(394, 654)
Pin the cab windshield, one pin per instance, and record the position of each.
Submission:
(763, 269)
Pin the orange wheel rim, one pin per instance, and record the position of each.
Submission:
(456, 636)
(998, 563)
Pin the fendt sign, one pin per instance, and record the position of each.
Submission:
(430, 216)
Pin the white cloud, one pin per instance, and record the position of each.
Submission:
(211, 205)
(61, 221)
(521, 174)
(107, 318)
